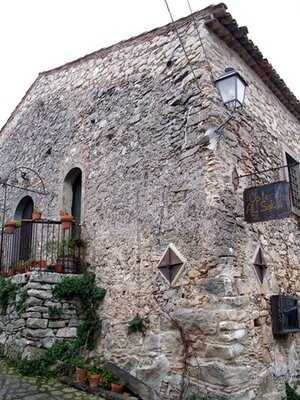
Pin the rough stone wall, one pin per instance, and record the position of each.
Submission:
(132, 119)
(29, 330)
(256, 141)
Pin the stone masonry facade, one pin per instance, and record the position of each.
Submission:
(27, 326)
(153, 173)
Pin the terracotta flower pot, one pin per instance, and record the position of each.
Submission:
(94, 380)
(66, 221)
(59, 268)
(80, 375)
(43, 264)
(36, 216)
(117, 387)
(9, 226)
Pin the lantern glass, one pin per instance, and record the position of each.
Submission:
(241, 89)
(232, 88)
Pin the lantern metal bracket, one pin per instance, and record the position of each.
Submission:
(238, 177)
(219, 129)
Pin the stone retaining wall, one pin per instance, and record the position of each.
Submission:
(32, 330)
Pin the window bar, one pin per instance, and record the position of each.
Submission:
(42, 238)
(47, 243)
(59, 256)
(33, 239)
(36, 243)
(52, 244)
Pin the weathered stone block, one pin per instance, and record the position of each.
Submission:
(38, 333)
(36, 323)
(220, 374)
(40, 294)
(67, 333)
(224, 352)
(57, 324)
(203, 320)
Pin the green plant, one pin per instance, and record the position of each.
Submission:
(55, 312)
(84, 289)
(96, 366)
(50, 365)
(79, 362)
(291, 393)
(137, 324)
(107, 378)
(7, 292)
(21, 305)
(18, 223)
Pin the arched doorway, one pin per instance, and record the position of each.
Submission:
(24, 237)
(72, 195)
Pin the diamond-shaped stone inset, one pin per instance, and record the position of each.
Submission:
(260, 265)
(171, 264)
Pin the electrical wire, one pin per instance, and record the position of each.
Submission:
(201, 41)
(182, 45)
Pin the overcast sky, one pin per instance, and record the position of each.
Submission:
(39, 35)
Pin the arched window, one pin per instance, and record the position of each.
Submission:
(24, 238)
(24, 208)
(72, 195)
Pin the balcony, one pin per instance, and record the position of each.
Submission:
(41, 244)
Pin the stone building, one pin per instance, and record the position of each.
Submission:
(125, 139)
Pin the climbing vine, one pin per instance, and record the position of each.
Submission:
(84, 289)
(62, 355)
(7, 292)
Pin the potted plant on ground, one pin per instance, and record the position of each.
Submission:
(11, 225)
(94, 376)
(106, 378)
(117, 386)
(59, 268)
(36, 214)
(66, 220)
(43, 264)
(80, 370)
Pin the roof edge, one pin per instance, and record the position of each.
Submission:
(141, 37)
(226, 28)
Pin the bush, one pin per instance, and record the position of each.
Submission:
(290, 393)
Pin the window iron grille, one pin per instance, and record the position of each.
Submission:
(284, 312)
(294, 179)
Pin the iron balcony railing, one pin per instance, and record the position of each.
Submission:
(42, 244)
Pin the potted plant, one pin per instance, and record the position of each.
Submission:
(66, 256)
(66, 220)
(36, 214)
(59, 268)
(11, 225)
(106, 378)
(80, 370)
(116, 386)
(43, 264)
(94, 376)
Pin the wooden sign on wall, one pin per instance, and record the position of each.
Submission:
(267, 202)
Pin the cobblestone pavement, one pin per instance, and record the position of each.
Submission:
(14, 387)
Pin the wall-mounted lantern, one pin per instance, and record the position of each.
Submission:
(232, 88)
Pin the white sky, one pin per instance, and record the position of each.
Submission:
(39, 35)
